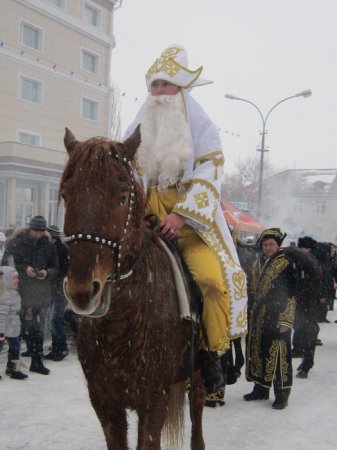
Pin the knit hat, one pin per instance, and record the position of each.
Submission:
(38, 223)
(54, 231)
(271, 233)
(306, 242)
(172, 66)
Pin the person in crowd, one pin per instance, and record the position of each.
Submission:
(322, 254)
(36, 261)
(2, 244)
(306, 326)
(73, 320)
(10, 304)
(307, 245)
(58, 301)
(268, 358)
(181, 161)
(333, 262)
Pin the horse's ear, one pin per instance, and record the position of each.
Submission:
(69, 141)
(132, 143)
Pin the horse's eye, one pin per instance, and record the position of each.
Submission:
(123, 199)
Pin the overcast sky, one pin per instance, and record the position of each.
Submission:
(260, 50)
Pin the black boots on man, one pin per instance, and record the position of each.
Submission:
(211, 371)
(258, 393)
(281, 398)
(13, 370)
(37, 365)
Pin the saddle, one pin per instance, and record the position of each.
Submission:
(188, 292)
(190, 304)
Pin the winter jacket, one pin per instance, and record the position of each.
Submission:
(39, 254)
(63, 259)
(10, 304)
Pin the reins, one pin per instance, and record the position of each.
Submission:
(115, 245)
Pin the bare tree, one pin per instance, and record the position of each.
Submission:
(242, 185)
(116, 113)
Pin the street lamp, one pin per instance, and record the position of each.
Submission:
(306, 93)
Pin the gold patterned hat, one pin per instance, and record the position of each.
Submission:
(271, 233)
(172, 66)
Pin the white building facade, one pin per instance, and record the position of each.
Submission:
(55, 72)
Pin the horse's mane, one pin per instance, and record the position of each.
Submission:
(92, 163)
(93, 157)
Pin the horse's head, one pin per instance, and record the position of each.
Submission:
(104, 207)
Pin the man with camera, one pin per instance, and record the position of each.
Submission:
(35, 258)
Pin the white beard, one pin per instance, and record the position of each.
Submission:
(165, 144)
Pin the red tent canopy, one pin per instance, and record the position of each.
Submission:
(239, 220)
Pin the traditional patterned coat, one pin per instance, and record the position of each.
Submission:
(269, 351)
(199, 203)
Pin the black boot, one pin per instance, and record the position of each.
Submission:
(56, 356)
(213, 400)
(211, 371)
(37, 365)
(258, 393)
(281, 398)
(13, 370)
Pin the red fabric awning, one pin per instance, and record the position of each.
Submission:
(239, 220)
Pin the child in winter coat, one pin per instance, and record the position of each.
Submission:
(10, 304)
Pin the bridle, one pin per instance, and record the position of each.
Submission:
(114, 245)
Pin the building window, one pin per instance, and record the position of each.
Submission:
(90, 108)
(24, 137)
(298, 207)
(92, 15)
(58, 3)
(25, 197)
(31, 36)
(31, 90)
(320, 207)
(90, 61)
(54, 210)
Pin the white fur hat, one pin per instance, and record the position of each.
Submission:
(172, 66)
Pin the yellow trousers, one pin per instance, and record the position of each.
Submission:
(205, 268)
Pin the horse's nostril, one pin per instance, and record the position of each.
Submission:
(95, 288)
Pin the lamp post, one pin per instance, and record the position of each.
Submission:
(306, 93)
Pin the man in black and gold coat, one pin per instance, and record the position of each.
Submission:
(271, 319)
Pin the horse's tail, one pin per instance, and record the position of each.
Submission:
(174, 425)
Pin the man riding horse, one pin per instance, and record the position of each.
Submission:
(181, 163)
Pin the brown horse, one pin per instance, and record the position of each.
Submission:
(132, 341)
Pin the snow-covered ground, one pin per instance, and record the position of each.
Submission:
(54, 413)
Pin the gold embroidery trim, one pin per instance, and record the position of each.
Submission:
(239, 282)
(168, 65)
(202, 182)
(287, 316)
(270, 273)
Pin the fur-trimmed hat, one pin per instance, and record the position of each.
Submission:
(38, 223)
(306, 242)
(271, 233)
(54, 231)
(172, 66)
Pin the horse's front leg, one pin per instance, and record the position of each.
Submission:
(113, 421)
(197, 401)
(151, 420)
